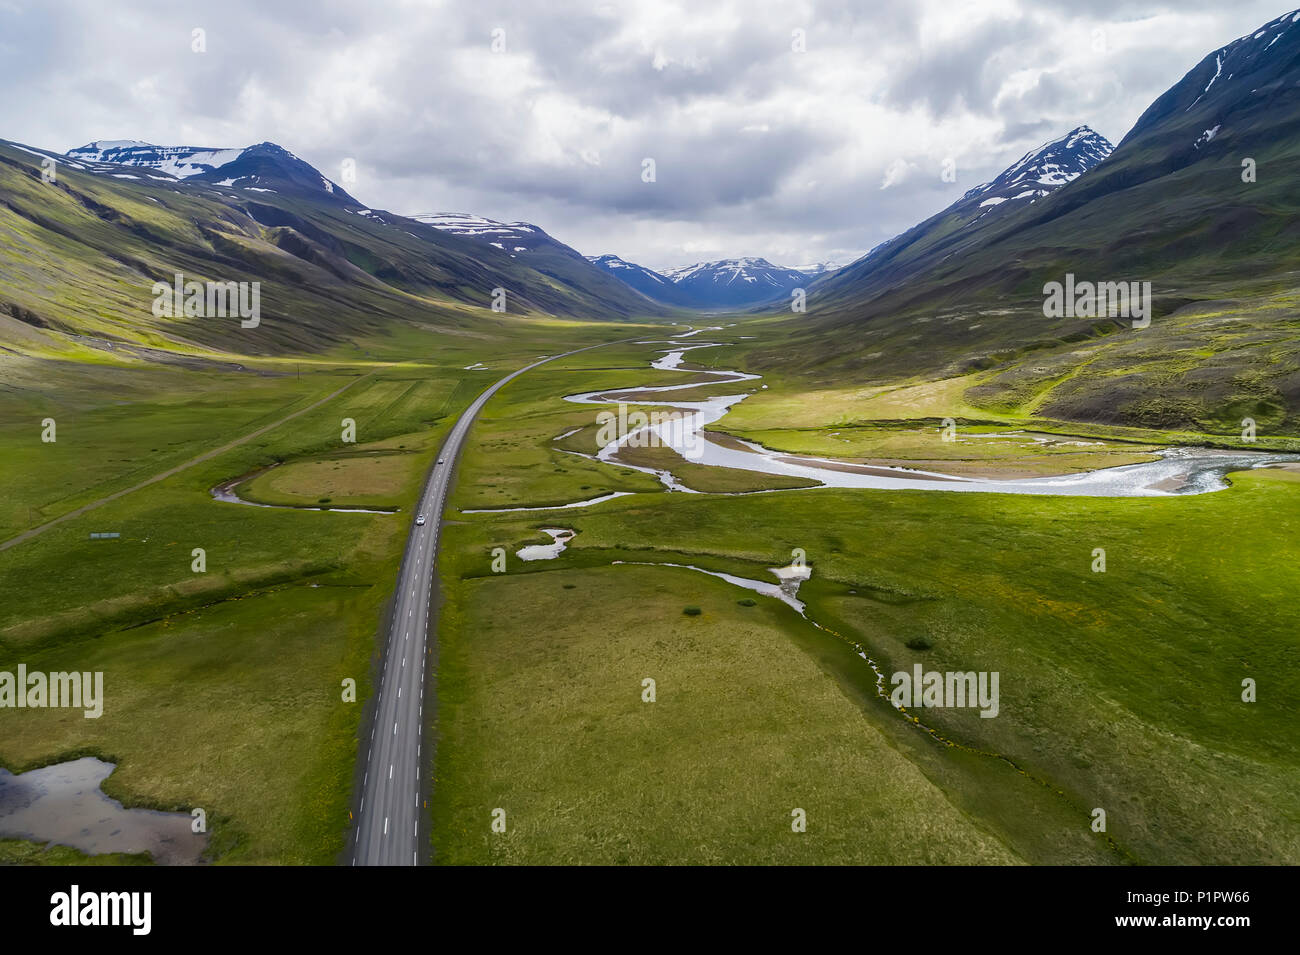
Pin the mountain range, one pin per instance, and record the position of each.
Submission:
(109, 219)
(726, 283)
(1198, 199)
(270, 169)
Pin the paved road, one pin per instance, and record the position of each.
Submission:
(388, 824)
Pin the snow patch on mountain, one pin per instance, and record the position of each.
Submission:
(817, 268)
(1243, 55)
(486, 230)
(1206, 136)
(179, 161)
(614, 263)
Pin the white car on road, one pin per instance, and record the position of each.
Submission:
(420, 521)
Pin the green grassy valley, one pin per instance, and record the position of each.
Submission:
(1127, 683)
(733, 455)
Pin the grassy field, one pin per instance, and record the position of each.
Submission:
(366, 479)
(741, 734)
(23, 852)
(1120, 690)
(223, 687)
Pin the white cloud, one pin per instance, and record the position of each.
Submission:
(895, 173)
(760, 150)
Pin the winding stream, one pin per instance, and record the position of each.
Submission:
(1178, 470)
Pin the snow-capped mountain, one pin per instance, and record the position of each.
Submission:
(1228, 82)
(735, 282)
(513, 238)
(1238, 105)
(1204, 176)
(637, 276)
(264, 167)
(539, 250)
(721, 284)
(1042, 171)
(1037, 174)
(648, 282)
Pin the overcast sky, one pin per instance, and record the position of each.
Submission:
(759, 149)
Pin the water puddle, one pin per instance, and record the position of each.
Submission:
(63, 804)
(560, 537)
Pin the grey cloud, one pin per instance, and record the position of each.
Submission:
(436, 124)
(967, 73)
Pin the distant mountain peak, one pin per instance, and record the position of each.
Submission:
(723, 283)
(613, 263)
(1038, 173)
(1045, 169)
(264, 166)
(747, 280)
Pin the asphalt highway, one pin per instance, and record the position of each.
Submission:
(387, 828)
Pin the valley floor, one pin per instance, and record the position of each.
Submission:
(1120, 690)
